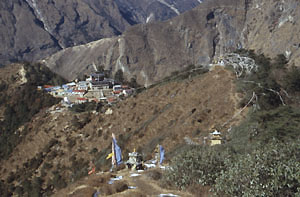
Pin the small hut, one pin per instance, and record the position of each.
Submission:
(215, 138)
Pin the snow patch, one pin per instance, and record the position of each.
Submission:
(285, 19)
(145, 77)
(94, 66)
(135, 175)
(149, 18)
(170, 6)
(288, 54)
(119, 64)
(167, 195)
(22, 74)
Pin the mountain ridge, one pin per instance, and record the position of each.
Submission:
(31, 30)
(152, 51)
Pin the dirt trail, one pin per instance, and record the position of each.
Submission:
(138, 183)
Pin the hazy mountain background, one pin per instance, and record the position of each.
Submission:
(31, 29)
(153, 51)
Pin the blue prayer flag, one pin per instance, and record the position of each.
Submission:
(117, 152)
(162, 154)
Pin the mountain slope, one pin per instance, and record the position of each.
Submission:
(31, 29)
(144, 11)
(172, 114)
(151, 52)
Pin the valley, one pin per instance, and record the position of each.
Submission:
(212, 87)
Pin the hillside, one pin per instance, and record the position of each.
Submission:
(60, 144)
(31, 30)
(153, 51)
(252, 100)
(20, 101)
(145, 11)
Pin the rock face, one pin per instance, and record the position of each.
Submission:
(32, 29)
(152, 51)
(144, 11)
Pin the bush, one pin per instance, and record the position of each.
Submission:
(3, 86)
(260, 127)
(119, 77)
(71, 142)
(24, 104)
(199, 165)
(292, 80)
(262, 82)
(261, 158)
(269, 171)
(79, 168)
(58, 181)
(280, 61)
(87, 107)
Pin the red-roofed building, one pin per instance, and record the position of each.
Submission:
(48, 86)
(81, 100)
(111, 100)
(79, 92)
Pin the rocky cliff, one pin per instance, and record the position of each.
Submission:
(152, 51)
(144, 11)
(31, 29)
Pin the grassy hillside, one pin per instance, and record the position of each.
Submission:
(20, 100)
(261, 155)
(177, 112)
(60, 145)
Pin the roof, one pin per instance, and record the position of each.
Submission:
(71, 84)
(97, 75)
(117, 91)
(95, 83)
(111, 99)
(48, 86)
(81, 98)
(216, 132)
(82, 82)
(78, 90)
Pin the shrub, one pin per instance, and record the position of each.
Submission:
(260, 127)
(292, 80)
(58, 181)
(262, 158)
(22, 106)
(47, 166)
(269, 171)
(262, 82)
(3, 86)
(71, 142)
(11, 177)
(199, 165)
(86, 107)
(119, 77)
(79, 168)
(280, 61)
